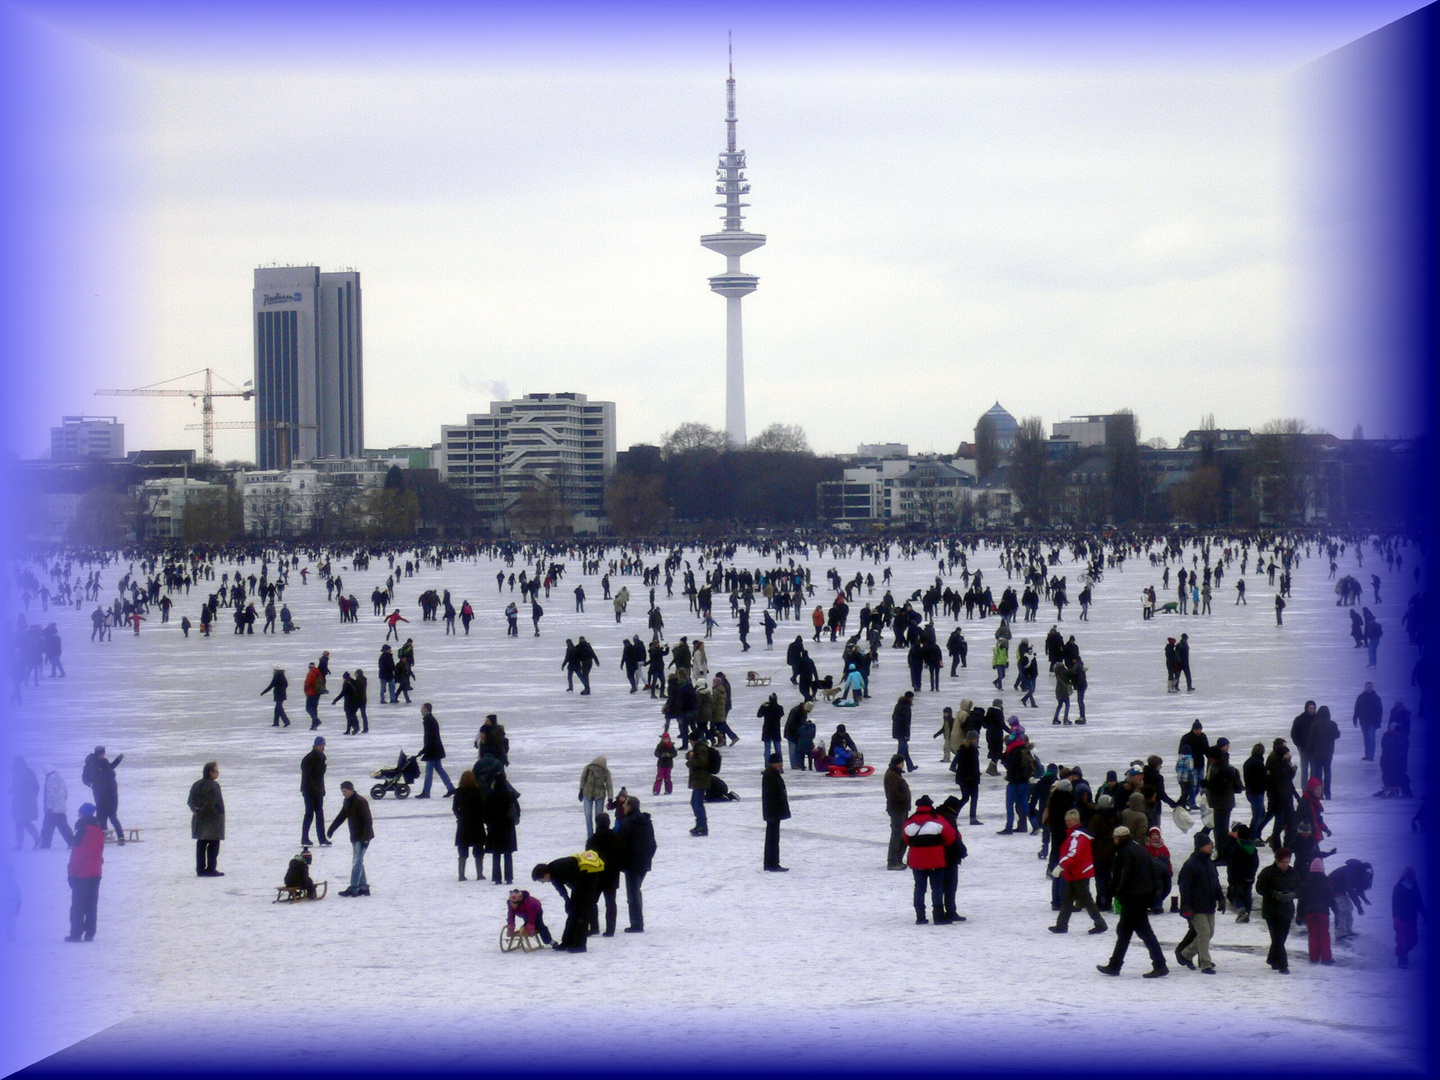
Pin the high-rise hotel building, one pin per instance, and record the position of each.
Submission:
(309, 377)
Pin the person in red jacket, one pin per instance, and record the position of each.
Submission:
(927, 835)
(1076, 867)
(87, 857)
(393, 620)
(314, 687)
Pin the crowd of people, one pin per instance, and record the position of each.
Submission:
(1106, 836)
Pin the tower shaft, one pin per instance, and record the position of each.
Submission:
(734, 373)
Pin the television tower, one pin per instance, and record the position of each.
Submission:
(733, 241)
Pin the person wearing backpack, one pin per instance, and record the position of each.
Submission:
(637, 838)
(576, 884)
(701, 762)
(1134, 881)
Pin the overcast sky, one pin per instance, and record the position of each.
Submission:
(1064, 236)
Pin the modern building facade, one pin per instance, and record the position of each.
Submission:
(562, 442)
(309, 365)
(82, 437)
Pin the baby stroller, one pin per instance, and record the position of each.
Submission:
(397, 779)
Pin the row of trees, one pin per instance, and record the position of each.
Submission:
(697, 475)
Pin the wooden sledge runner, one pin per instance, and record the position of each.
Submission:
(511, 940)
(132, 836)
(289, 894)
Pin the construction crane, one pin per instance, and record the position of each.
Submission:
(261, 425)
(206, 397)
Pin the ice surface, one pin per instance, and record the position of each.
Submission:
(822, 963)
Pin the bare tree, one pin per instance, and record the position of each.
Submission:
(693, 436)
(1030, 475)
(538, 511)
(784, 438)
(636, 505)
(987, 452)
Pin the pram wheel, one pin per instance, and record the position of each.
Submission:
(378, 791)
(402, 791)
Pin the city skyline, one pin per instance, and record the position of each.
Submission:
(956, 231)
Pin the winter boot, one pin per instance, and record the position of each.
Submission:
(1156, 973)
(462, 868)
(1108, 969)
(920, 919)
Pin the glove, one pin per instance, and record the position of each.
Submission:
(1055, 872)
(1221, 907)
(579, 796)
(1186, 914)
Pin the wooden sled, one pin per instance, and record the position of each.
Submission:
(289, 894)
(842, 771)
(132, 836)
(754, 678)
(510, 941)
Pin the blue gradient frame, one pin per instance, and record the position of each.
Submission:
(53, 85)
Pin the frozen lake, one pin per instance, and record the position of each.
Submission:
(812, 966)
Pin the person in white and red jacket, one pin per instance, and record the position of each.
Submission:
(1076, 867)
(87, 858)
(927, 835)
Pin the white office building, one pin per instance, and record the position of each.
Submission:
(564, 442)
(82, 437)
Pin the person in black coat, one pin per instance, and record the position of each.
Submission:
(469, 810)
(606, 843)
(278, 687)
(1220, 782)
(1238, 856)
(1300, 737)
(1256, 781)
(1134, 885)
(312, 790)
(502, 814)
(967, 773)
(1322, 735)
(577, 888)
(1200, 899)
(774, 808)
(1280, 789)
(99, 776)
(994, 736)
(1194, 744)
(1368, 715)
(1278, 885)
(771, 712)
(955, 853)
(1406, 910)
(432, 753)
(207, 820)
(900, 727)
(637, 838)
